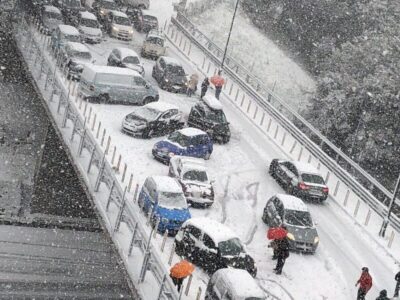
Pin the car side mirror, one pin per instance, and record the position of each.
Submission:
(147, 86)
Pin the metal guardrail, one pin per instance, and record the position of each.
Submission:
(362, 183)
(140, 236)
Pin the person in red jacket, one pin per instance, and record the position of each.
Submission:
(365, 282)
(218, 81)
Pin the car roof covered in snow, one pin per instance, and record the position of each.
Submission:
(171, 61)
(155, 33)
(193, 166)
(218, 232)
(190, 131)
(127, 52)
(53, 9)
(90, 71)
(68, 29)
(118, 13)
(167, 184)
(305, 167)
(88, 15)
(292, 203)
(78, 47)
(240, 282)
(161, 106)
(212, 102)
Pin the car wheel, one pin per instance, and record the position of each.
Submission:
(147, 100)
(207, 155)
(271, 169)
(104, 98)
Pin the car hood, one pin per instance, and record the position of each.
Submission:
(51, 23)
(90, 30)
(302, 234)
(133, 117)
(178, 79)
(176, 214)
(196, 186)
(172, 147)
(122, 27)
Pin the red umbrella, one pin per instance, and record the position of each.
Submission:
(182, 269)
(276, 233)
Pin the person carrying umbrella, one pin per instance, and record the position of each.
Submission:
(180, 271)
(218, 81)
(280, 246)
(365, 282)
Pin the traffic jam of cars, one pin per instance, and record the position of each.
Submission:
(186, 140)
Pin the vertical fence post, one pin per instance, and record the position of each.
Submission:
(188, 285)
(110, 195)
(132, 243)
(120, 213)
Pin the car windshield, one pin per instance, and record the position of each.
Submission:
(231, 247)
(73, 38)
(172, 200)
(155, 40)
(298, 218)
(52, 15)
(312, 178)
(179, 138)
(149, 18)
(73, 3)
(217, 116)
(196, 175)
(147, 113)
(108, 5)
(131, 60)
(89, 23)
(174, 69)
(82, 55)
(122, 21)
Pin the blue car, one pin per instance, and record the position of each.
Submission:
(185, 142)
(163, 198)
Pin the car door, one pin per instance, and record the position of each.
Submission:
(191, 241)
(195, 117)
(160, 69)
(112, 60)
(204, 140)
(209, 252)
(165, 125)
(140, 90)
(282, 172)
(270, 212)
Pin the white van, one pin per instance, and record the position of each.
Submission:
(115, 85)
(233, 284)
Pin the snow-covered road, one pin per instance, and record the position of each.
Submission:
(240, 168)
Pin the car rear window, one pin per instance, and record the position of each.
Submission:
(131, 60)
(195, 175)
(155, 40)
(150, 18)
(312, 178)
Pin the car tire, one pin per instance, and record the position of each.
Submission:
(271, 169)
(207, 155)
(147, 100)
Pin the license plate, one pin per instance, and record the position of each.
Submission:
(176, 87)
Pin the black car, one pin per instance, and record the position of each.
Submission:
(102, 7)
(209, 116)
(170, 75)
(212, 246)
(153, 119)
(69, 9)
(299, 179)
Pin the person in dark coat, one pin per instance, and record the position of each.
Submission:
(282, 253)
(204, 87)
(383, 295)
(397, 288)
(365, 282)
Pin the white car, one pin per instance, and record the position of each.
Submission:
(125, 58)
(89, 27)
(118, 25)
(192, 174)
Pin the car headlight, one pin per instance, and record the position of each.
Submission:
(130, 31)
(102, 12)
(290, 236)
(171, 154)
(316, 240)
(115, 28)
(166, 79)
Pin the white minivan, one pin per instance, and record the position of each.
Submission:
(233, 284)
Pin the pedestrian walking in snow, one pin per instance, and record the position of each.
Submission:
(397, 288)
(180, 271)
(282, 253)
(365, 282)
(204, 87)
(218, 81)
(192, 84)
(383, 295)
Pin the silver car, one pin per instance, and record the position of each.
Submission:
(291, 211)
(50, 18)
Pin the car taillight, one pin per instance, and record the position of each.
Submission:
(91, 88)
(303, 186)
(325, 190)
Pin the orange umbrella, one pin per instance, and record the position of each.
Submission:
(182, 269)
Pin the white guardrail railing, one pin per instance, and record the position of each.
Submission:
(359, 198)
(142, 250)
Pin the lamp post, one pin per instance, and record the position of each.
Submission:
(385, 222)
(229, 34)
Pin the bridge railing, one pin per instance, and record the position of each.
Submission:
(349, 184)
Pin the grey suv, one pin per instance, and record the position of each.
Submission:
(291, 211)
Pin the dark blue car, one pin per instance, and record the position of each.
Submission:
(185, 142)
(163, 198)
